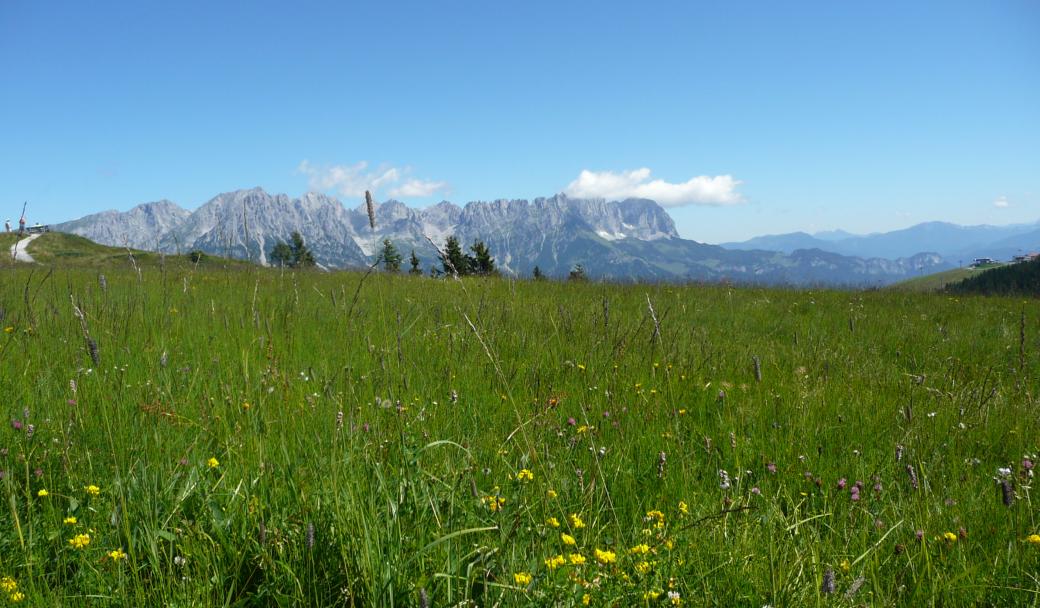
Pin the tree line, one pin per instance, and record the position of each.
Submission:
(453, 260)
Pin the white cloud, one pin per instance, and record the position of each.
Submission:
(719, 190)
(419, 187)
(1001, 202)
(353, 180)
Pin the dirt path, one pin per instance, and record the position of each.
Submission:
(18, 252)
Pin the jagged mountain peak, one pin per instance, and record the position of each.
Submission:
(634, 238)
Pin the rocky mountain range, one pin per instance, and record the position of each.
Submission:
(633, 239)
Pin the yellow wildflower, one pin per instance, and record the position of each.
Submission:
(668, 543)
(651, 595)
(845, 565)
(643, 567)
(586, 599)
(524, 475)
(949, 537)
(16, 596)
(583, 429)
(117, 555)
(8, 329)
(552, 521)
(551, 493)
(642, 549)
(576, 521)
(522, 578)
(605, 557)
(656, 517)
(555, 562)
(581, 367)
(212, 462)
(246, 406)
(494, 503)
(576, 559)
(567, 539)
(683, 507)
(80, 541)
(43, 493)
(8, 584)
(1033, 539)
(70, 520)
(93, 490)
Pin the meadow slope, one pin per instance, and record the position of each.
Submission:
(240, 437)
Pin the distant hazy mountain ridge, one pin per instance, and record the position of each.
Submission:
(954, 243)
(625, 240)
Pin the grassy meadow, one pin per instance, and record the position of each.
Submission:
(228, 436)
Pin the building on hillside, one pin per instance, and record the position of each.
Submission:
(1028, 257)
(982, 262)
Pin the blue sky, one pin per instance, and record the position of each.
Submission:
(744, 117)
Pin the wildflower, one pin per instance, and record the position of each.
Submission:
(576, 559)
(80, 541)
(576, 521)
(567, 539)
(1033, 539)
(8, 584)
(16, 596)
(651, 595)
(552, 521)
(655, 516)
(551, 494)
(43, 493)
(642, 549)
(494, 503)
(643, 567)
(212, 462)
(555, 562)
(93, 490)
(683, 507)
(586, 599)
(522, 578)
(524, 475)
(70, 520)
(842, 483)
(674, 599)
(581, 367)
(724, 481)
(583, 429)
(117, 555)
(845, 566)
(605, 557)
(949, 537)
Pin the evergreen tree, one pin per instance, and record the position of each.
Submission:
(537, 274)
(281, 255)
(391, 257)
(481, 262)
(414, 261)
(301, 254)
(453, 260)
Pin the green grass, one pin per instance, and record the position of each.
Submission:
(939, 280)
(58, 249)
(362, 430)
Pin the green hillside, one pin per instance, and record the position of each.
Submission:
(1012, 279)
(263, 437)
(937, 281)
(64, 250)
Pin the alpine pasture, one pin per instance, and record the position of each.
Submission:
(204, 436)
